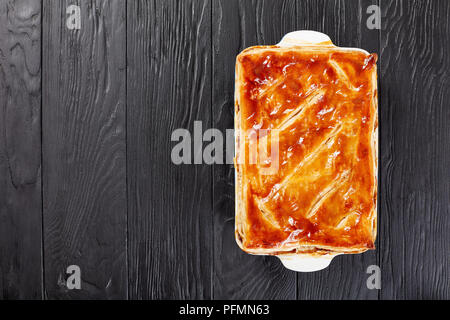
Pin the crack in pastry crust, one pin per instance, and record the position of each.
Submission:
(322, 101)
(298, 113)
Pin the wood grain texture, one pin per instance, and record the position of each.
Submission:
(106, 149)
(415, 72)
(170, 206)
(20, 150)
(345, 23)
(238, 25)
(84, 154)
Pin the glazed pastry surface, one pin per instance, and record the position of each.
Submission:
(306, 156)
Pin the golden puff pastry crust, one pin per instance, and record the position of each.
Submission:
(316, 194)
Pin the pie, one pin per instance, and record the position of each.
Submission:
(306, 150)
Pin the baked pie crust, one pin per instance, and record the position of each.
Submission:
(317, 193)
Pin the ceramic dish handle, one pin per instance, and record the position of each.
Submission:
(304, 38)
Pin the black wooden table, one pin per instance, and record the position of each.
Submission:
(86, 176)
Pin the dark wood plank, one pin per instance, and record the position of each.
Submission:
(415, 137)
(20, 150)
(84, 171)
(170, 206)
(238, 25)
(345, 23)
